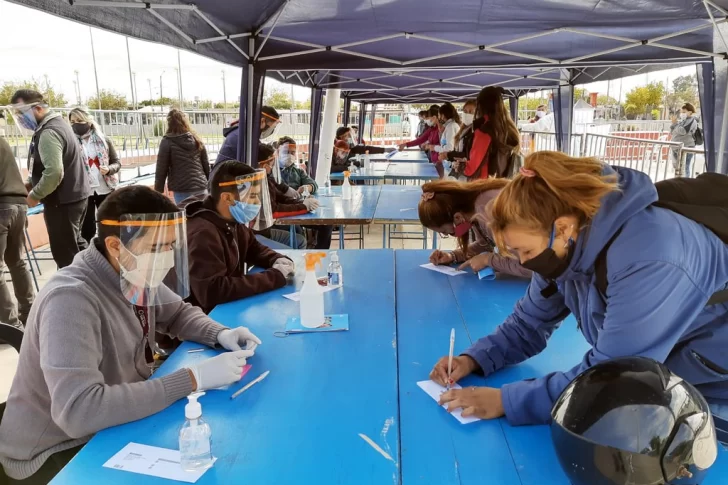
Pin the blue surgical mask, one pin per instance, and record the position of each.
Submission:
(244, 213)
(27, 120)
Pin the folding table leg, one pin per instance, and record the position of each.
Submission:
(434, 240)
(32, 250)
(32, 271)
(292, 236)
(341, 237)
(384, 236)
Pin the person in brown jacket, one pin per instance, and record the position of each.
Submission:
(220, 242)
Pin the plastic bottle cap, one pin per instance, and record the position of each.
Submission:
(193, 409)
(312, 260)
(335, 256)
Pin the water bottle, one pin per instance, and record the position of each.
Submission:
(327, 185)
(306, 194)
(195, 438)
(336, 273)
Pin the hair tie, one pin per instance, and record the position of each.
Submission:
(427, 195)
(527, 172)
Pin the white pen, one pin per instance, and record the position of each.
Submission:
(449, 359)
(251, 384)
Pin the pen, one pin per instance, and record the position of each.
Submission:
(251, 384)
(449, 359)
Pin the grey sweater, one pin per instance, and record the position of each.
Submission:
(483, 238)
(82, 366)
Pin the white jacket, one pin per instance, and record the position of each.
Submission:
(544, 125)
(447, 138)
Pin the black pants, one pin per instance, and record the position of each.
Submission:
(88, 230)
(63, 223)
(48, 471)
(323, 236)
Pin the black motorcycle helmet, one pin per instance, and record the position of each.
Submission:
(630, 421)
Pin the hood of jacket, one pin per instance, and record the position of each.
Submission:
(636, 192)
(204, 207)
(185, 141)
(229, 129)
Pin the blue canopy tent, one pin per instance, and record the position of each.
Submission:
(417, 50)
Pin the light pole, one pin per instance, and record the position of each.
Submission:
(160, 88)
(96, 74)
(78, 86)
(224, 91)
(179, 81)
(151, 97)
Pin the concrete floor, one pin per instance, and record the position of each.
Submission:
(372, 240)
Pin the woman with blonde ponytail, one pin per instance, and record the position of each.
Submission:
(580, 225)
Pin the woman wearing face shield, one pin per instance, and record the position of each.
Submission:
(564, 218)
(103, 165)
(457, 208)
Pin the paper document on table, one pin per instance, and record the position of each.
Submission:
(434, 390)
(297, 295)
(448, 270)
(152, 461)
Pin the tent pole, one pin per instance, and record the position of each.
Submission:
(250, 102)
(362, 121)
(328, 133)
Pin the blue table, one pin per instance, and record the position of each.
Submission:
(398, 205)
(436, 448)
(407, 156)
(302, 424)
(334, 211)
(411, 171)
(376, 171)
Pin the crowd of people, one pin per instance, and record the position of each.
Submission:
(602, 243)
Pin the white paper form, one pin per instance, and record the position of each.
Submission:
(297, 295)
(434, 390)
(448, 270)
(152, 461)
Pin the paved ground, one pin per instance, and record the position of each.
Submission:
(372, 240)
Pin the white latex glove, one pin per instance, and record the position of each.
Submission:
(221, 370)
(311, 204)
(285, 266)
(232, 339)
(292, 194)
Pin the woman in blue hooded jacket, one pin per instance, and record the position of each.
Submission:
(557, 216)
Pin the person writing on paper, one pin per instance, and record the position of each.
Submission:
(86, 355)
(453, 209)
(221, 242)
(565, 218)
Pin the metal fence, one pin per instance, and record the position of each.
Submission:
(539, 141)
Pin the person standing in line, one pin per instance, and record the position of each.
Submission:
(182, 160)
(58, 177)
(463, 142)
(103, 165)
(269, 121)
(683, 131)
(422, 126)
(13, 213)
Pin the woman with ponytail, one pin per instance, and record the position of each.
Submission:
(454, 209)
(565, 218)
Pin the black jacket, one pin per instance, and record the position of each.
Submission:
(181, 164)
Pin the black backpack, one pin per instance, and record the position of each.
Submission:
(703, 199)
(698, 136)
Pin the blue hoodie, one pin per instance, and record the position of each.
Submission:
(662, 269)
(229, 148)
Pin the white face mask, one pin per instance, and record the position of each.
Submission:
(151, 269)
(540, 114)
(683, 116)
(468, 118)
(428, 122)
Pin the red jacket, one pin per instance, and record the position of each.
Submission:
(218, 250)
(282, 205)
(431, 136)
(484, 160)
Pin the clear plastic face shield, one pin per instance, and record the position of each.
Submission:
(252, 206)
(286, 155)
(153, 258)
(271, 167)
(271, 126)
(22, 116)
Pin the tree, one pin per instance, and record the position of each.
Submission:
(641, 101)
(109, 100)
(203, 104)
(530, 104)
(604, 100)
(278, 99)
(307, 105)
(684, 90)
(55, 99)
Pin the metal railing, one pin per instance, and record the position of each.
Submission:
(535, 141)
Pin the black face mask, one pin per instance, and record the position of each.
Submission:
(80, 129)
(548, 264)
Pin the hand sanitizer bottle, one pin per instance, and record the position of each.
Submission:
(346, 187)
(306, 194)
(336, 275)
(195, 438)
(312, 296)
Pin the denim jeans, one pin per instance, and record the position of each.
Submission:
(12, 240)
(284, 237)
(180, 196)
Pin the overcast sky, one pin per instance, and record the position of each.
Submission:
(68, 49)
